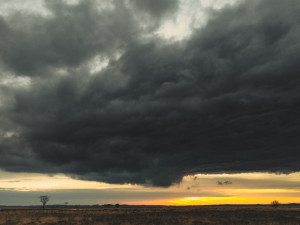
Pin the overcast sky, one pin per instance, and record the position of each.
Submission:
(145, 94)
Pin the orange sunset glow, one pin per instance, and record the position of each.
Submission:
(228, 200)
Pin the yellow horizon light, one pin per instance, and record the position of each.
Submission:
(262, 190)
(228, 200)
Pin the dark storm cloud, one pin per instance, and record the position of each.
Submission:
(153, 13)
(157, 8)
(225, 100)
(72, 34)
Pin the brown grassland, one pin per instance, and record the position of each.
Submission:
(193, 215)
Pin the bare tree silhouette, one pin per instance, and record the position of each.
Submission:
(44, 199)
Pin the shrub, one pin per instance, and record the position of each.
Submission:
(275, 203)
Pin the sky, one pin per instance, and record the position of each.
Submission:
(149, 102)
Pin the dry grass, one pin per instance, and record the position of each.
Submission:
(210, 215)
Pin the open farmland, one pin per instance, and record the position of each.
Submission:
(196, 215)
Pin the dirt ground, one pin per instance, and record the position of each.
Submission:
(189, 215)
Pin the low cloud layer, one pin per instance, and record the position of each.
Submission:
(227, 182)
(224, 100)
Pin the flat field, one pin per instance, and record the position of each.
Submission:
(189, 215)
